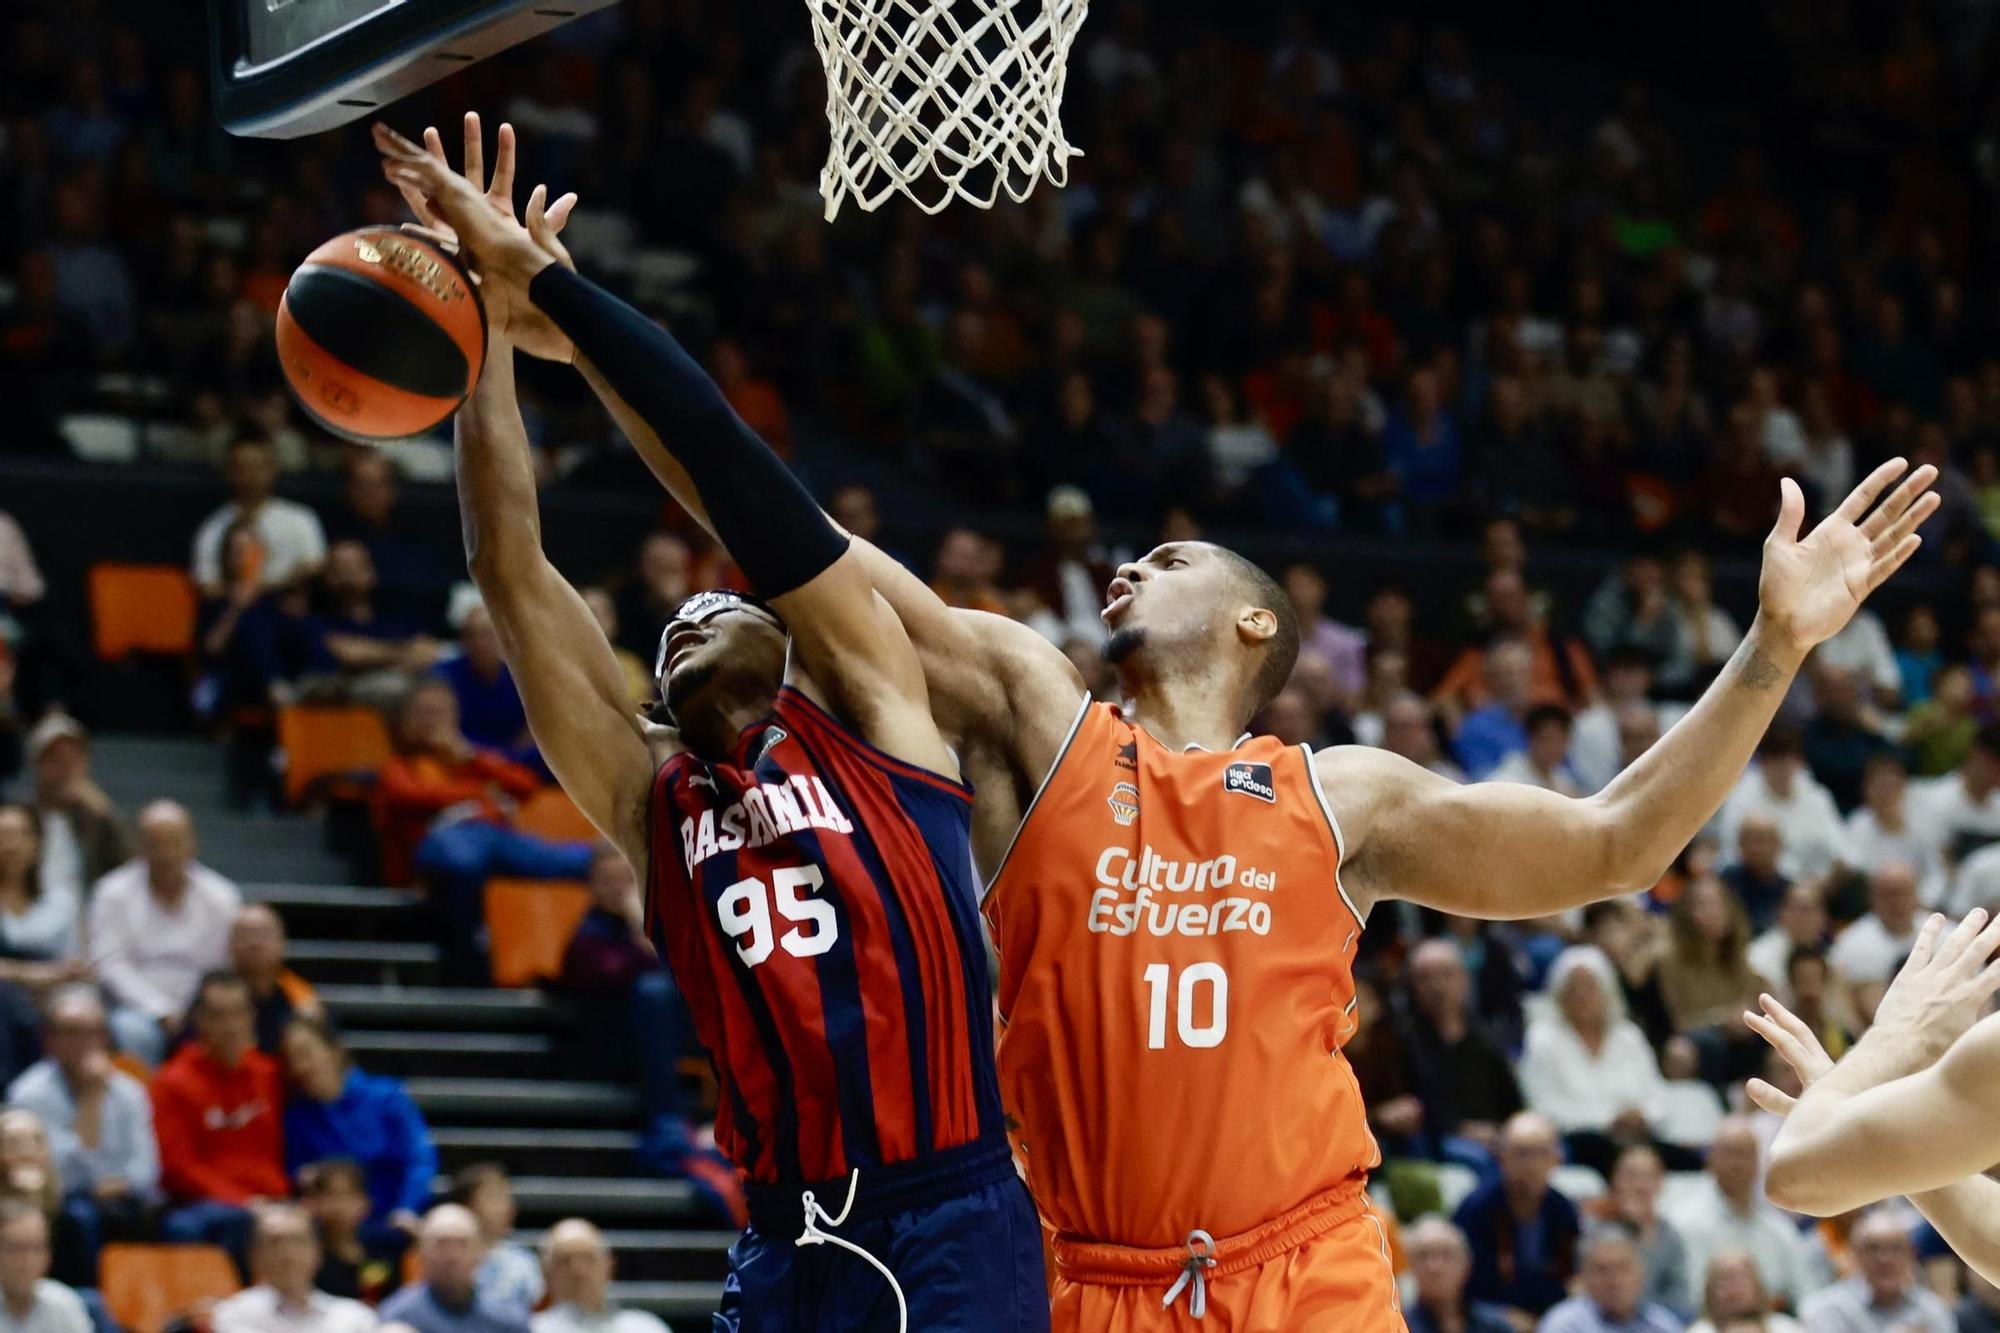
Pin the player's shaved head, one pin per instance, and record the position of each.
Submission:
(1281, 650)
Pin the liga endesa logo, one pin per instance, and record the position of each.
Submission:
(1251, 780)
(1124, 803)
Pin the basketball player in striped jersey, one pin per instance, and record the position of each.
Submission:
(805, 835)
(1176, 906)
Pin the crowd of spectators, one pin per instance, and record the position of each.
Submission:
(1317, 276)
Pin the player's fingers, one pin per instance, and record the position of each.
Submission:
(1905, 523)
(1927, 942)
(1793, 1025)
(1879, 573)
(1791, 511)
(536, 216)
(1770, 1098)
(434, 142)
(442, 237)
(1960, 938)
(1861, 497)
(475, 152)
(1779, 1040)
(560, 210)
(502, 185)
(1899, 501)
(393, 145)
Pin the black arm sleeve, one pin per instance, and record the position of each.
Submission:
(767, 520)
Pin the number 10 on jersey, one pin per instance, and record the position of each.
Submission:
(1194, 978)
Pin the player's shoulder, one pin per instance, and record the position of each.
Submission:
(1367, 763)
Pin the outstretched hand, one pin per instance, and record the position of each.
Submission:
(1798, 1044)
(467, 212)
(1944, 986)
(1811, 587)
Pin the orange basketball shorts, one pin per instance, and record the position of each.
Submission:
(1323, 1267)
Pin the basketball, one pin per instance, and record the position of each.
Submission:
(381, 335)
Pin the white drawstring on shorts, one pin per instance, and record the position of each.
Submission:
(814, 1236)
(1194, 1274)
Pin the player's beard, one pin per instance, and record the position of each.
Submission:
(684, 686)
(1123, 643)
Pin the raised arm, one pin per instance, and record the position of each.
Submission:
(852, 647)
(1503, 850)
(1891, 1117)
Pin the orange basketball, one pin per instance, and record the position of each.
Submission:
(381, 334)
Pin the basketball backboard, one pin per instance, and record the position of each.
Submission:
(286, 68)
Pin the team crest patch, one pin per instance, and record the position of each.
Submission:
(1251, 780)
(1124, 803)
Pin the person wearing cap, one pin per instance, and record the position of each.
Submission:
(1070, 576)
(448, 810)
(84, 834)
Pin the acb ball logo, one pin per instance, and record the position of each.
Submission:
(1124, 803)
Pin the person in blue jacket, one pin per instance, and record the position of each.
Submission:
(337, 1110)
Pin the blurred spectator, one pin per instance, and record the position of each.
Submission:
(1391, 625)
(1612, 1299)
(1544, 763)
(1979, 1309)
(1939, 732)
(509, 1274)
(1734, 1297)
(1690, 1107)
(335, 1193)
(963, 574)
(30, 1301)
(1559, 670)
(1440, 1264)
(1630, 617)
(99, 1122)
(489, 707)
(1707, 979)
(447, 813)
(640, 687)
(258, 646)
(1586, 1066)
(1779, 786)
(257, 954)
(157, 924)
(1409, 728)
(28, 1175)
(1801, 924)
(284, 1258)
(1598, 743)
(1755, 877)
(1070, 576)
(38, 918)
(216, 1107)
(1522, 1232)
(1918, 657)
(755, 398)
(1634, 942)
(1886, 1296)
(1492, 732)
(1879, 831)
(1862, 650)
(1728, 1211)
(370, 513)
(93, 281)
(84, 836)
(291, 545)
(579, 1268)
(338, 1111)
(1843, 735)
(1457, 1070)
(1421, 448)
(1374, 1051)
(1816, 1000)
(1704, 634)
(1959, 811)
(1634, 1199)
(444, 1299)
(647, 602)
(377, 655)
(1875, 946)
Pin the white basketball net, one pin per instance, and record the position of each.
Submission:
(943, 99)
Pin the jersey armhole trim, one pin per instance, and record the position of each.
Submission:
(656, 804)
(1339, 839)
(1076, 725)
(880, 758)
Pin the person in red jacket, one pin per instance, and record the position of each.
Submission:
(447, 812)
(217, 1105)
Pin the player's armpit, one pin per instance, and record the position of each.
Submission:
(1493, 850)
(1916, 1134)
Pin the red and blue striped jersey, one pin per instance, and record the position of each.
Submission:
(816, 903)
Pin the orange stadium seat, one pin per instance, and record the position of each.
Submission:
(528, 925)
(141, 609)
(328, 749)
(145, 1286)
(552, 814)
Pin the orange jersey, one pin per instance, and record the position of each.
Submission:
(1176, 979)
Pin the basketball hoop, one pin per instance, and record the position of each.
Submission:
(943, 99)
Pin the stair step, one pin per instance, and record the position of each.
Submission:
(431, 1008)
(529, 1152)
(453, 1054)
(516, 1101)
(336, 911)
(606, 1200)
(662, 1256)
(687, 1302)
(365, 962)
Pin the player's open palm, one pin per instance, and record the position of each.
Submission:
(1945, 985)
(1811, 586)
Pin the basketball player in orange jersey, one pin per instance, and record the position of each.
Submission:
(1176, 906)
